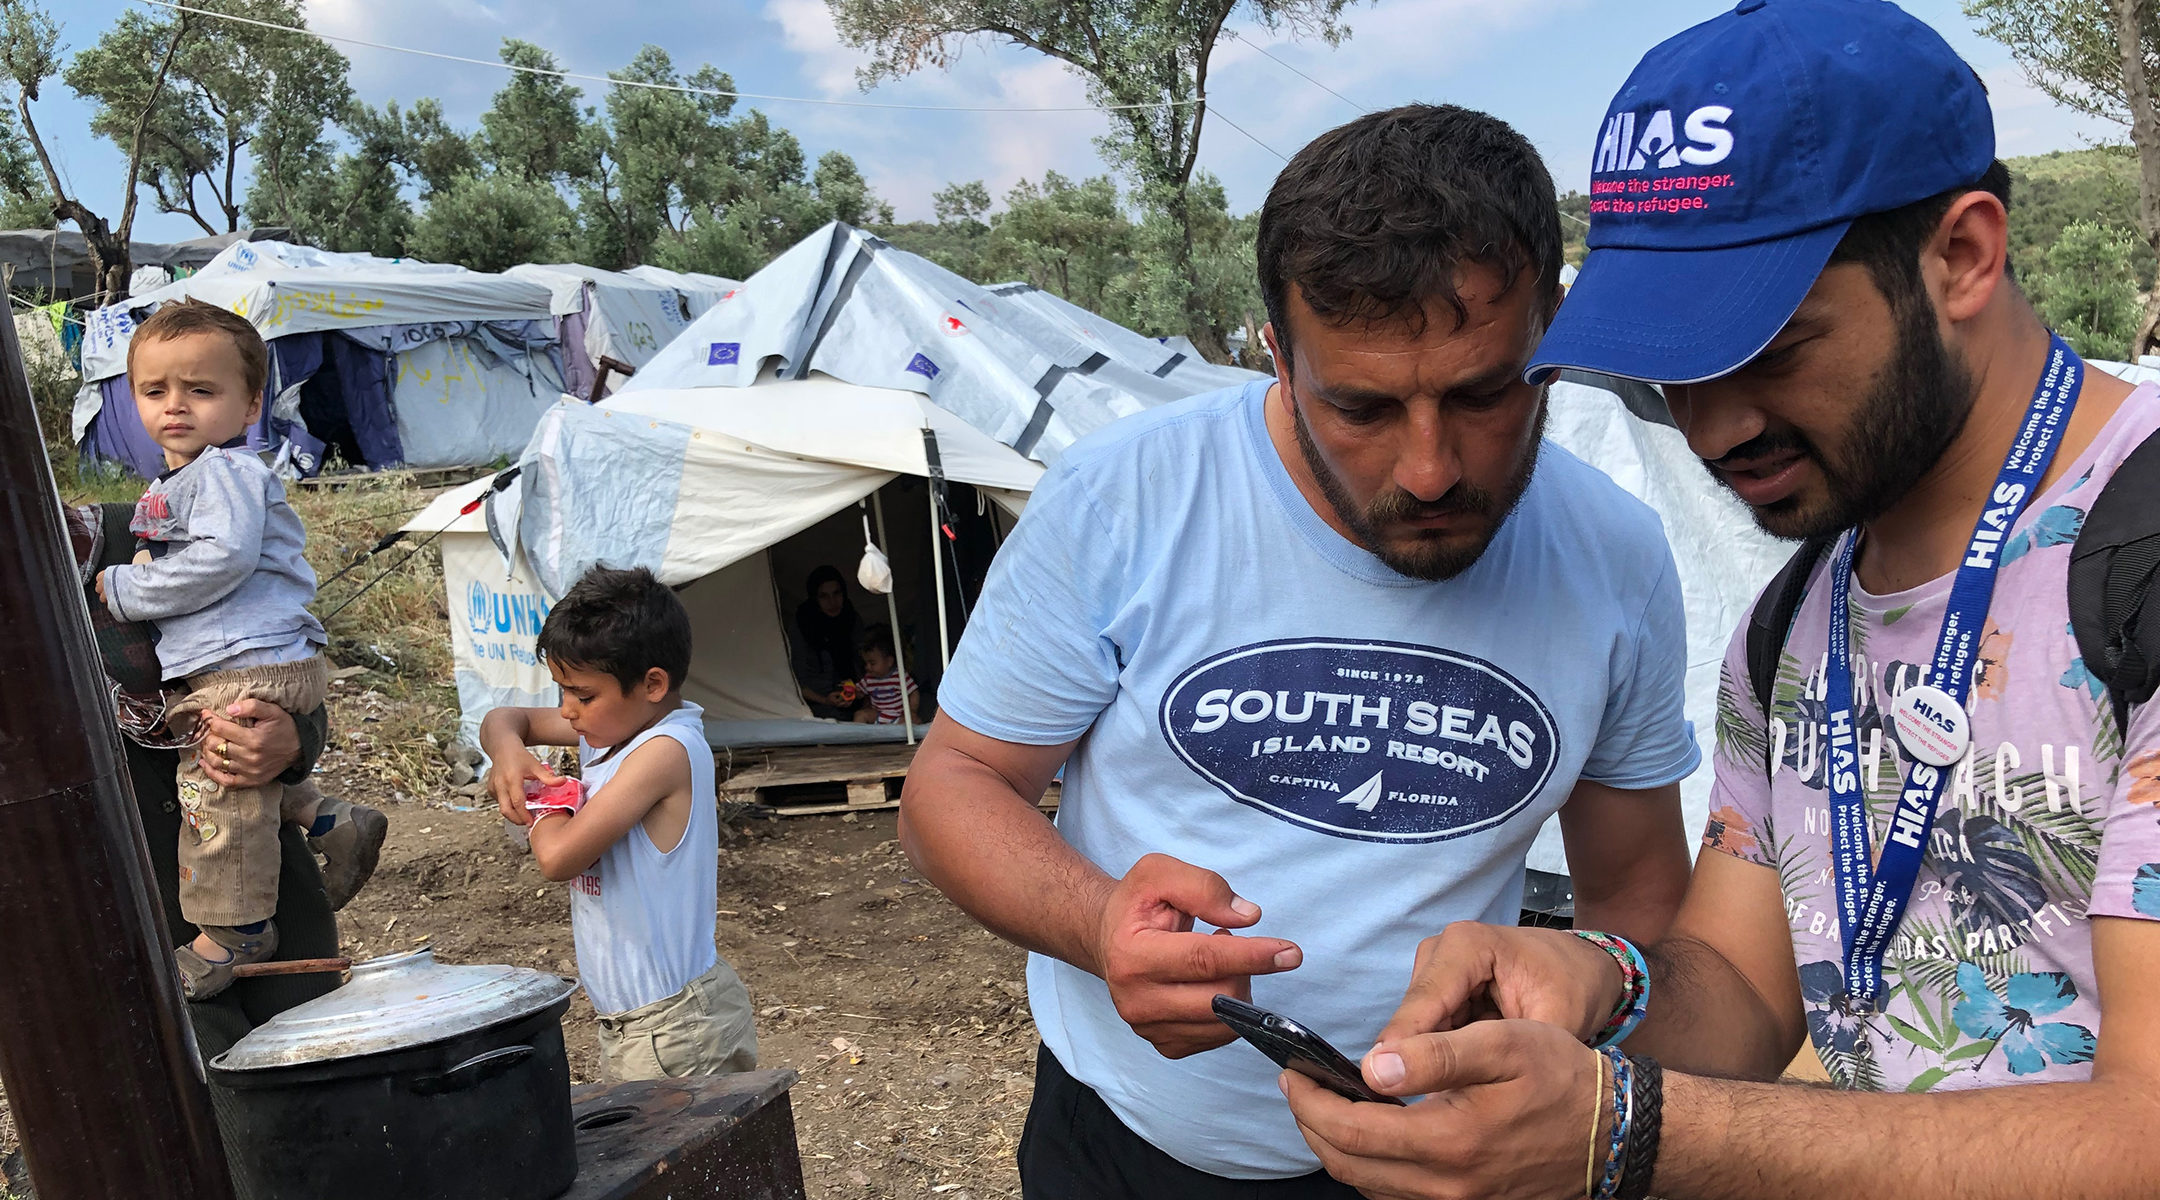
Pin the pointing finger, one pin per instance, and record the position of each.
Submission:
(1190, 957)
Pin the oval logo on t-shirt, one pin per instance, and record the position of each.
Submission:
(1379, 741)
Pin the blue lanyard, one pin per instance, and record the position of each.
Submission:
(1871, 896)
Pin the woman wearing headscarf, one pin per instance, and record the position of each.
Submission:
(827, 628)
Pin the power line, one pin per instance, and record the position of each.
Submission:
(657, 87)
(1248, 136)
(1294, 71)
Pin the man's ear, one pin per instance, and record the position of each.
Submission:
(1964, 262)
(656, 684)
(1281, 360)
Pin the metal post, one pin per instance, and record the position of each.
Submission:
(937, 579)
(95, 1047)
(892, 611)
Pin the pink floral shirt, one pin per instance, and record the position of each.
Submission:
(2053, 816)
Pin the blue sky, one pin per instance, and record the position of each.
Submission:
(1548, 66)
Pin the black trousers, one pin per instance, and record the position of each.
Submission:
(1075, 1148)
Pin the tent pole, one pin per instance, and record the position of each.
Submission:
(892, 612)
(937, 577)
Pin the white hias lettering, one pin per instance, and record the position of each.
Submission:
(1636, 142)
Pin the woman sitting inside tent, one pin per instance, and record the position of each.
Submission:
(827, 665)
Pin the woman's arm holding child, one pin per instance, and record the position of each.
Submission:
(566, 845)
(504, 735)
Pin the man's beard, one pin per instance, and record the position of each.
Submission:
(1916, 406)
(1428, 556)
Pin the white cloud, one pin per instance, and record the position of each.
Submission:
(806, 27)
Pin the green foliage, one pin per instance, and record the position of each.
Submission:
(25, 203)
(1146, 63)
(529, 131)
(961, 203)
(843, 192)
(493, 221)
(232, 88)
(1082, 240)
(2050, 192)
(2068, 48)
(2088, 292)
(1574, 227)
(1072, 238)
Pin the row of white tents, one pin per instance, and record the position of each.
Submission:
(390, 362)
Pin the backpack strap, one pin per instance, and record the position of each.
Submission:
(2114, 611)
(1771, 621)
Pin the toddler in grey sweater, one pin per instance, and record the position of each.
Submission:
(222, 576)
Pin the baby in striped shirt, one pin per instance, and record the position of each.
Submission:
(884, 682)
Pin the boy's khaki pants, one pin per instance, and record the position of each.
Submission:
(704, 1029)
(229, 856)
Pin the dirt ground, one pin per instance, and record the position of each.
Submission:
(908, 1022)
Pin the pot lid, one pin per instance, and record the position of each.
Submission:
(395, 1003)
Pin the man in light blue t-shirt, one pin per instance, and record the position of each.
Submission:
(1317, 656)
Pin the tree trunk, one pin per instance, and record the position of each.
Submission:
(2145, 135)
(1198, 327)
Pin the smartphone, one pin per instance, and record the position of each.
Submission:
(1297, 1048)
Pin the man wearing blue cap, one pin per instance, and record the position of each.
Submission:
(1937, 809)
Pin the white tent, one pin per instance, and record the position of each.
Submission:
(736, 472)
(623, 315)
(391, 361)
(703, 290)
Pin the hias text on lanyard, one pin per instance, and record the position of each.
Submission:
(1929, 718)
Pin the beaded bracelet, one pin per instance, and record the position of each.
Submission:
(1623, 1111)
(1634, 986)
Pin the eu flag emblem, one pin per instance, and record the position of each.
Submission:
(922, 366)
(724, 354)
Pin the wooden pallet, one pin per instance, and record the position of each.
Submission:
(798, 781)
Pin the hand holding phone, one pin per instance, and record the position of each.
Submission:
(1297, 1048)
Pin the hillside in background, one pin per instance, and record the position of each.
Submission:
(2049, 192)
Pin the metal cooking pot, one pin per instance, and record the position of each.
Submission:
(415, 1080)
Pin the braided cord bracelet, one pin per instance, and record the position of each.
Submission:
(1648, 1107)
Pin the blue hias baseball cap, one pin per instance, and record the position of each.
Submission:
(1732, 162)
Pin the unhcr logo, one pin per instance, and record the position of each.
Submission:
(1377, 741)
(489, 612)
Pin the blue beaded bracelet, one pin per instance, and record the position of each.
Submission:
(1623, 1117)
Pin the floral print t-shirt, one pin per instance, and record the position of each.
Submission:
(2052, 818)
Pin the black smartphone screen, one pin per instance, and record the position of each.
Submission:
(1297, 1048)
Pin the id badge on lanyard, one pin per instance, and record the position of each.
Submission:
(1930, 719)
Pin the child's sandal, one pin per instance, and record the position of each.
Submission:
(201, 979)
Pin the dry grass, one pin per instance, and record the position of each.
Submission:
(386, 616)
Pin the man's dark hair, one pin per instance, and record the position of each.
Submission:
(876, 637)
(621, 623)
(1372, 219)
(1888, 243)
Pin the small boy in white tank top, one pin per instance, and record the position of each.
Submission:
(638, 841)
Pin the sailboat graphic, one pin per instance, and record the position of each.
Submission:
(1366, 795)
